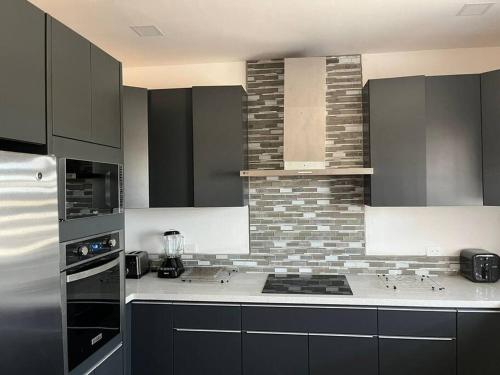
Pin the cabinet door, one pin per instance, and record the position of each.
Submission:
(22, 77)
(218, 145)
(135, 147)
(397, 135)
(417, 356)
(71, 84)
(343, 355)
(478, 345)
(202, 352)
(106, 108)
(454, 149)
(275, 354)
(152, 339)
(170, 148)
(113, 365)
(490, 100)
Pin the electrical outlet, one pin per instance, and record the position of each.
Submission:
(433, 251)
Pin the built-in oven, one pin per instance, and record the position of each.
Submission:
(93, 294)
(89, 188)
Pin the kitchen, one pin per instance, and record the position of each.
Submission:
(308, 189)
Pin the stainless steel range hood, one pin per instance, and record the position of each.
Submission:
(305, 122)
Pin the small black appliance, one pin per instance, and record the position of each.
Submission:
(480, 266)
(136, 264)
(173, 245)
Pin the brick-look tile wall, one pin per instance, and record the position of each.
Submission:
(311, 224)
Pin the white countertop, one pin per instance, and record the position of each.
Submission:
(367, 291)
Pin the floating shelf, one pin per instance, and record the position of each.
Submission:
(306, 172)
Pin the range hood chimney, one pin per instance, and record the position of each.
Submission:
(305, 113)
(305, 123)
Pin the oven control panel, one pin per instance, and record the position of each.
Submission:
(88, 248)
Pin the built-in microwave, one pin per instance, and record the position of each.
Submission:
(89, 188)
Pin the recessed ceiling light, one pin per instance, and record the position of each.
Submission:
(475, 9)
(146, 31)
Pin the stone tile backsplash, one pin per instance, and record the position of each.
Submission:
(311, 224)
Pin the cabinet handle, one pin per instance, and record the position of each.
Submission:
(480, 311)
(206, 330)
(342, 335)
(276, 333)
(314, 307)
(409, 309)
(417, 338)
(205, 304)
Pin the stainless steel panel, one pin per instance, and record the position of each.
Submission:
(30, 293)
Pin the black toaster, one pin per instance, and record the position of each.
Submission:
(479, 265)
(136, 264)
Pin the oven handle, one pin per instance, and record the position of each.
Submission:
(92, 271)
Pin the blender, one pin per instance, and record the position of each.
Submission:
(173, 246)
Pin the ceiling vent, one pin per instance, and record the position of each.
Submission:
(146, 31)
(475, 9)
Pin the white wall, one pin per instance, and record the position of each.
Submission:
(179, 76)
(431, 62)
(410, 231)
(206, 230)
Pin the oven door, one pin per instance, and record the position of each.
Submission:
(90, 188)
(93, 300)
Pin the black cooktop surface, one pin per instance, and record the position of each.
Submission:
(307, 284)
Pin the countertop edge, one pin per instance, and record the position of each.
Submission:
(332, 301)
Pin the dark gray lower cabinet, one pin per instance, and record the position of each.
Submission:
(151, 339)
(113, 365)
(275, 354)
(478, 342)
(417, 356)
(203, 352)
(343, 355)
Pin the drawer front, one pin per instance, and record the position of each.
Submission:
(417, 356)
(419, 323)
(310, 319)
(207, 316)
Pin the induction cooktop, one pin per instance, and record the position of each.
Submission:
(307, 284)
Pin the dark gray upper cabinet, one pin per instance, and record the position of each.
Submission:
(454, 154)
(170, 142)
(106, 105)
(71, 84)
(490, 97)
(22, 77)
(219, 145)
(397, 141)
(197, 146)
(85, 86)
(424, 141)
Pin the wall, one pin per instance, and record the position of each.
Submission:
(206, 230)
(431, 62)
(179, 76)
(409, 231)
(311, 224)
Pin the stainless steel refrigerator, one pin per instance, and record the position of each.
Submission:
(30, 292)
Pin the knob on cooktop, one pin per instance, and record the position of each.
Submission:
(112, 242)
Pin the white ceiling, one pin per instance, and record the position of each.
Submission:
(202, 31)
